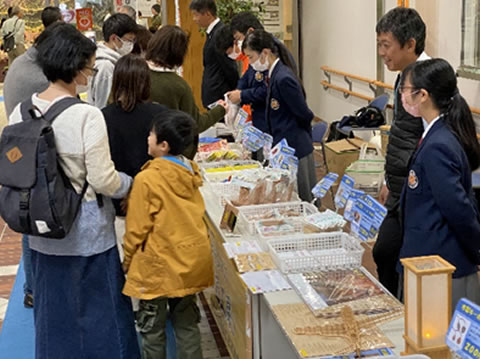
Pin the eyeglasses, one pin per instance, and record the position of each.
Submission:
(94, 70)
(402, 89)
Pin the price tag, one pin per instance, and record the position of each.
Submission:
(463, 335)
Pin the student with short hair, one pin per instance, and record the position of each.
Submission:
(438, 207)
(220, 73)
(165, 53)
(400, 41)
(119, 38)
(79, 310)
(168, 257)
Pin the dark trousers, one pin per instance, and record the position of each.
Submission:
(387, 250)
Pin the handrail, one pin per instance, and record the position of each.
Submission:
(356, 77)
(349, 92)
(371, 83)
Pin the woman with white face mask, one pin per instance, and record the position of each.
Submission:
(439, 211)
(287, 114)
(78, 279)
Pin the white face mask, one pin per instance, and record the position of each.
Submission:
(83, 88)
(413, 110)
(233, 55)
(126, 48)
(239, 44)
(258, 66)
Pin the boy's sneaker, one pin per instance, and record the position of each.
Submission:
(28, 300)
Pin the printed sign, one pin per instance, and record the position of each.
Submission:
(322, 187)
(343, 191)
(463, 335)
(84, 19)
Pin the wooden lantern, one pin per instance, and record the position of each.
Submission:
(428, 305)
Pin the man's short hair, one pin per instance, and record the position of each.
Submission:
(245, 20)
(130, 11)
(15, 10)
(50, 15)
(118, 24)
(224, 39)
(404, 24)
(202, 6)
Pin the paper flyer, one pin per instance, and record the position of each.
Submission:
(343, 191)
(322, 187)
(363, 217)
(252, 138)
(354, 195)
(463, 336)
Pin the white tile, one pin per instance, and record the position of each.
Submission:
(3, 307)
(8, 270)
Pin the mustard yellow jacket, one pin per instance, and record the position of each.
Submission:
(167, 250)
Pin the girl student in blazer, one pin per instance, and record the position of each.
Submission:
(287, 114)
(440, 215)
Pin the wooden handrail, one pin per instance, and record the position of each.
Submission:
(475, 111)
(356, 77)
(352, 93)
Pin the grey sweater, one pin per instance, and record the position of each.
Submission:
(24, 78)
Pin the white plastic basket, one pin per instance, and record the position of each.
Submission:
(285, 210)
(323, 251)
(224, 175)
(225, 191)
(229, 165)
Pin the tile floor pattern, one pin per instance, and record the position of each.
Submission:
(10, 253)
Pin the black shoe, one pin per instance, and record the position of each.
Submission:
(28, 300)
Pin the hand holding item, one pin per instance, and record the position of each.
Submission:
(234, 96)
(383, 195)
(224, 104)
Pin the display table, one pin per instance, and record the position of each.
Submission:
(246, 321)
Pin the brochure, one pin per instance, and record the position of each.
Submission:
(322, 187)
(343, 192)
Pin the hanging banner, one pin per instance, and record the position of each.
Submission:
(145, 6)
(84, 19)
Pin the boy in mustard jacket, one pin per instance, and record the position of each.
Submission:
(167, 251)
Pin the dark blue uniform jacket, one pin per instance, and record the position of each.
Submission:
(439, 211)
(287, 113)
(254, 93)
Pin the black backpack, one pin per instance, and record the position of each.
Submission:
(36, 196)
(9, 39)
(366, 117)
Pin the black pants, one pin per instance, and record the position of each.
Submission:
(387, 250)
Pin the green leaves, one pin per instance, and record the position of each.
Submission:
(226, 9)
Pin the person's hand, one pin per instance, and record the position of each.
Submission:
(234, 96)
(382, 198)
(223, 104)
(125, 265)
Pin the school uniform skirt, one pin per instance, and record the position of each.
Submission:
(79, 308)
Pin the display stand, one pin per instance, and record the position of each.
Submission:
(246, 320)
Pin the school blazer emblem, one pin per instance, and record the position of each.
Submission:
(258, 76)
(274, 104)
(412, 179)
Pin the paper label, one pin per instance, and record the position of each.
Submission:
(322, 187)
(463, 335)
(42, 227)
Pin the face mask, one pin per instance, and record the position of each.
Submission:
(413, 110)
(83, 88)
(258, 66)
(233, 55)
(239, 44)
(126, 48)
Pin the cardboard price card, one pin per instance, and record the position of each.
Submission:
(380, 213)
(343, 192)
(84, 19)
(463, 336)
(363, 217)
(322, 187)
(252, 138)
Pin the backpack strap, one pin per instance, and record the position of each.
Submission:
(58, 107)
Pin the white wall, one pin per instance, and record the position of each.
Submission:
(341, 34)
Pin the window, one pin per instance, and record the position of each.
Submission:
(470, 56)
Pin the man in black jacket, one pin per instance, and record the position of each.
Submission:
(220, 73)
(400, 42)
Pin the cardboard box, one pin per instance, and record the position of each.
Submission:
(341, 154)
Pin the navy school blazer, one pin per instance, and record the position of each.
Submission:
(287, 113)
(254, 93)
(439, 211)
